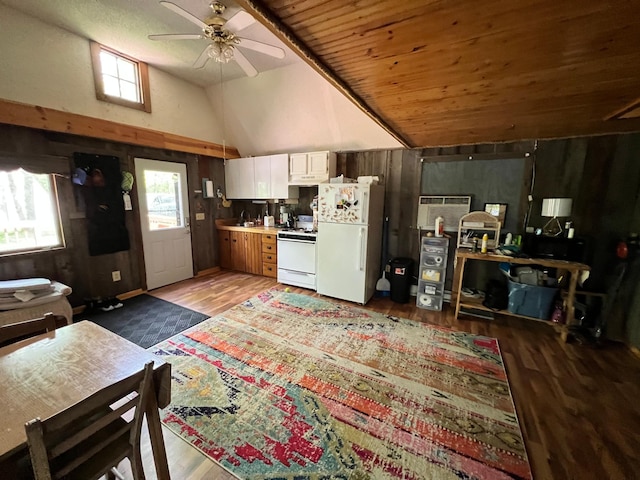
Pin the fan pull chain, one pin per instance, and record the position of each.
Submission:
(224, 127)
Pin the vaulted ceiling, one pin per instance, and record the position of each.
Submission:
(455, 72)
(430, 72)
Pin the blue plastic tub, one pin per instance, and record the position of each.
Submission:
(531, 300)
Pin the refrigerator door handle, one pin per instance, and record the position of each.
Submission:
(365, 207)
(362, 249)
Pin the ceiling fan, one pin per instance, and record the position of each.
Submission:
(223, 35)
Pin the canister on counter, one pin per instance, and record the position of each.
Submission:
(474, 244)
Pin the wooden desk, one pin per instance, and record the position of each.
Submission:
(572, 268)
(48, 373)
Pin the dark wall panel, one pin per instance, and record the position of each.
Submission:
(487, 181)
(90, 276)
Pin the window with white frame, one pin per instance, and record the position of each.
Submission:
(120, 79)
(29, 213)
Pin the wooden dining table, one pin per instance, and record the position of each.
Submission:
(46, 374)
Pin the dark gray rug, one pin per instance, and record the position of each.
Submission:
(145, 320)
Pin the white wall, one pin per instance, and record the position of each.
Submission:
(293, 109)
(50, 67)
(290, 109)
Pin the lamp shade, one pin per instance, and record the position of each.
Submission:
(556, 207)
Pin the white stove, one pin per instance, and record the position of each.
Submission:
(297, 234)
(297, 256)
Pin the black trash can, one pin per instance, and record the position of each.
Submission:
(400, 279)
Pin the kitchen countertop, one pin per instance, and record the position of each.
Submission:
(225, 225)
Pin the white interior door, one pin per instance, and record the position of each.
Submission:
(164, 217)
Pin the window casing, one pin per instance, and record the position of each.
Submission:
(120, 79)
(29, 213)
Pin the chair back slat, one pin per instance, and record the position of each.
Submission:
(94, 404)
(92, 428)
(92, 435)
(14, 332)
(86, 454)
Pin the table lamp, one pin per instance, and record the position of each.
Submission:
(555, 207)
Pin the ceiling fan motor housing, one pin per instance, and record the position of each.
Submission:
(216, 20)
(224, 40)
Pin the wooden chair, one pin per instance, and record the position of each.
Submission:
(14, 332)
(90, 438)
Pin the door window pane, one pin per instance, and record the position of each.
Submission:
(29, 217)
(164, 209)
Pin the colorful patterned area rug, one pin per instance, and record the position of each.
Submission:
(287, 386)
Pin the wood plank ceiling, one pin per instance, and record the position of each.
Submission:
(455, 72)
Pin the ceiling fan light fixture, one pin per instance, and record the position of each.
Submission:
(222, 34)
(220, 52)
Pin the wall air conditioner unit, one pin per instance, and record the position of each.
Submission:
(449, 207)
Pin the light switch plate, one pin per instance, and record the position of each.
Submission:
(199, 216)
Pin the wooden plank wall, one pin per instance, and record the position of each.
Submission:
(90, 277)
(601, 174)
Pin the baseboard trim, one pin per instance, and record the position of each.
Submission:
(207, 271)
(122, 296)
(132, 293)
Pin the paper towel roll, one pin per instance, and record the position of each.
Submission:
(209, 188)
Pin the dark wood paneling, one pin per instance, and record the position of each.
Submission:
(487, 181)
(601, 174)
(90, 277)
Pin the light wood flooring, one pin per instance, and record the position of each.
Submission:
(578, 406)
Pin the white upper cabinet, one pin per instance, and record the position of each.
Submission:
(311, 168)
(262, 177)
(259, 178)
(280, 187)
(239, 178)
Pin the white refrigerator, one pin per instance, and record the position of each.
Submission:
(349, 240)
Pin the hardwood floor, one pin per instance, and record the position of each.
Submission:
(576, 404)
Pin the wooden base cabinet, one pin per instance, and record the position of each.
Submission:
(245, 252)
(269, 255)
(253, 252)
(224, 249)
(238, 255)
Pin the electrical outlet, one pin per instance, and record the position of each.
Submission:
(116, 275)
(199, 216)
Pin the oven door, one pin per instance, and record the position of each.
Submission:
(297, 255)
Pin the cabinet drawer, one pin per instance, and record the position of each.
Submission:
(269, 258)
(269, 248)
(269, 238)
(270, 270)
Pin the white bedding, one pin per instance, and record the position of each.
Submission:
(54, 301)
(61, 306)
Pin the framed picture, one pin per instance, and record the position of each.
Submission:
(498, 210)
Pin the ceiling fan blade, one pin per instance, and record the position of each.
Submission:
(244, 63)
(203, 58)
(182, 12)
(239, 21)
(176, 36)
(262, 47)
